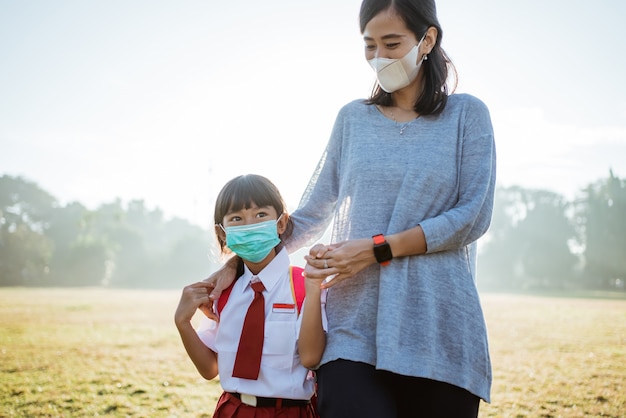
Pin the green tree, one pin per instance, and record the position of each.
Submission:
(42, 243)
(527, 244)
(126, 243)
(150, 251)
(25, 250)
(499, 261)
(545, 233)
(604, 232)
(80, 254)
(189, 257)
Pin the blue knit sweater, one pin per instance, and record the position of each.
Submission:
(421, 315)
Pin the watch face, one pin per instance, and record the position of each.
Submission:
(382, 252)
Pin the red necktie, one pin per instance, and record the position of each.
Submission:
(248, 359)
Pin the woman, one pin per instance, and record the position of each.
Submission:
(408, 178)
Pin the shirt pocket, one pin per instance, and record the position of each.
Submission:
(279, 345)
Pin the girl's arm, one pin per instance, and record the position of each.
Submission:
(203, 358)
(312, 340)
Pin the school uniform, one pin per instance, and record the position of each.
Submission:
(284, 387)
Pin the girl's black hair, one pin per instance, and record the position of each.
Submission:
(418, 15)
(243, 192)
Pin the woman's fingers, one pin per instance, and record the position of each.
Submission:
(333, 280)
(209, 312)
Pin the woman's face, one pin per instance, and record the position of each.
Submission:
(386, 36)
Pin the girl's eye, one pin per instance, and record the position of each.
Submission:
(261, 215)
(235, 219)
(393, 45)
(370, 47)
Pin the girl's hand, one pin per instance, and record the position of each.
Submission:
(342, 260)
(193, 298)
(313, 286)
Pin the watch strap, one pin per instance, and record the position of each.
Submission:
(382, 250)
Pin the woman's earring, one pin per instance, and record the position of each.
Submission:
(425, 57)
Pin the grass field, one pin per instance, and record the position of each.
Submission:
(116, 353)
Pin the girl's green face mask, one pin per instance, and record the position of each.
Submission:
(252, 242)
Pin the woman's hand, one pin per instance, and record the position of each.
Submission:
(341, 260)
(216, 283)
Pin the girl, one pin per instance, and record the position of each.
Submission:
(263, 377)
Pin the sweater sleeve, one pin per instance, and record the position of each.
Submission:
(469, 219)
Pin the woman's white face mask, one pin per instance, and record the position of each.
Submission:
(395, 74)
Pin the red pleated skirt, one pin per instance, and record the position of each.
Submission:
(229, 406)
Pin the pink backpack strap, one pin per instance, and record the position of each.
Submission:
(297, 285)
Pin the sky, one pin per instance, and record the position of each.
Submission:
(165, 101)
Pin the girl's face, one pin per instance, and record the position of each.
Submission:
(250, 216)
(386, 36)
(254, 215)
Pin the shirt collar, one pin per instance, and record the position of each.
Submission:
(271, 274)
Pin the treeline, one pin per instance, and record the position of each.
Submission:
(537, 240)
(45, 244)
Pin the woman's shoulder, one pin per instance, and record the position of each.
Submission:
(470, 109)
(358, 108)
(465, 100)
(357, 105)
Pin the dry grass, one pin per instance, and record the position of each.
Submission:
(96, 352)
(102, 352)
(557, 357)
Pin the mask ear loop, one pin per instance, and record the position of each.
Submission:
(425, 57)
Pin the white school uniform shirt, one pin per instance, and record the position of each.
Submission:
(281, 374)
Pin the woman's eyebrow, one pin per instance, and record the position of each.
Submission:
(386, 37)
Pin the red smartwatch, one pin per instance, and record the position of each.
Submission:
(382, 250)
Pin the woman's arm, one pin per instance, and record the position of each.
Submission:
(203, 358)
(312, 340)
